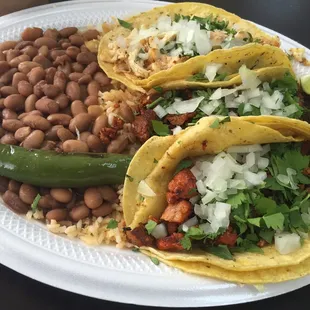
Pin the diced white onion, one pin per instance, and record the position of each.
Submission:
(160, 111)
(189, 223)
(249, 78)
(289, 110)
(211, 70)
(145, 190)
(286, 243)
(187, 106)
(159, 231)
(176, 130)
(121, 42)
(250, 160)
(262, 163)
(222, 92)
(171, 110)
(252, 178)
(209, 107)
(209, 196)
(202, 42)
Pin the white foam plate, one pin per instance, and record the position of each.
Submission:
(106, 272)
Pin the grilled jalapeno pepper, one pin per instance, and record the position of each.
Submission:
(52, 169)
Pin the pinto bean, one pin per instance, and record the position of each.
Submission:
(104, 210)
(17, 77)
(84, 93)
(15, 102)
(31, 34)
(30, 103)
(62, 60)
(62, 100)
(68, 31)
(25, 88)
(94, 144)
(48, 145)
(31, 51)
(14, 202)
(79, 213)
(118, 145)
(49, 42)
(76, 40)
(51, 33)
(72, 52)
(51, 134)
(108, 193)
(61, 194)
(75, 76)
(95, 111)
(90, 34)
(65, 134)
(7, 77)
(35, 75)
(8, 138)
(11, 54)
(126, 113)
(22, 133)
(36, 122)
(76, 67)
(48, 202)
(60, 80)
(11, 124)
(92, 198)
(8, 114)
(80, 122)
(34, 140)
(85, 58)
(50, 74)
(19, 59)
(65, 45)
(91, 69)
(4, 67)
(37, 89)
(22, 44)
(27, 193)
(100, 122)
(73, 91)
(93, 88)
(78, 107)
(43, 61)
(8, 90)
(14, 186)
(4, 183)
(59, 119)
(85, 79)
(57, 214)
(7, 45)
(43, 51)
(2, 104)
(50, 90)
(47, 106)
(75, 146)
(26, 66)
(57, 53)
(66, 68)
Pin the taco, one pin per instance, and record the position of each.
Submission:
(224, 197)
(177, 40)
(268, 91)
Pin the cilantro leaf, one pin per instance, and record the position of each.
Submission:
(186, 243)
(125, 24)
(186, 163)
(112, 224)
(237, 199)
(252, 237)
(195, 233)
(155, 161)
(221, 251)
(296, 219)
(255, 221)
(160, 128)
(247, 246)
(274, 221)
(159, 89)
(215, 124)
(150, 226)
(34, 205)
(197, 77)
(267, 235)
(225, 120)
(154, 260)
(265, 205)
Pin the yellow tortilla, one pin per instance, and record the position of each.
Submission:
(254, 55)
(272, 275)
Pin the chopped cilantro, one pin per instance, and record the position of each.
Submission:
(141, 198)
(255, 221)
(34, 205)
(195, 233)
(186, 243)
(125, 24)
(135, 249)
(159, 89)
(215, 124)
(155, 161)
(129, 178)
(197, 77)
(221, 251)
(112, 224)
(150, 226)
(267, 235)
(265, 206)
(184, 164)
(274, 221)
(154, 260)
(225, 120)
(192, 191)
(237, 199)
(160, 128)
(154, 103)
